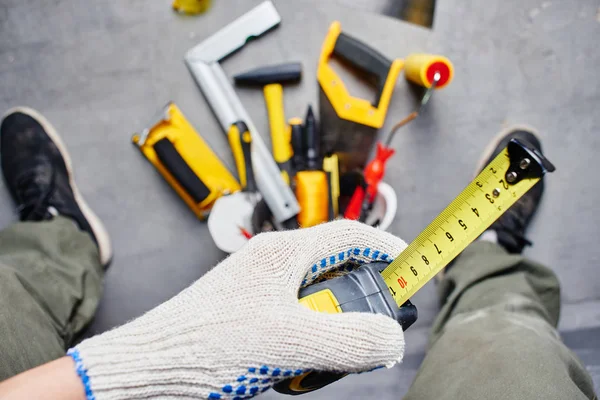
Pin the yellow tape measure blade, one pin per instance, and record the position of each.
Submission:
(483, 201)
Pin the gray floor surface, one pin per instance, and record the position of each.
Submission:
(99, 69)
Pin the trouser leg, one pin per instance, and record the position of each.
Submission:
(495, 336)
(50, 285)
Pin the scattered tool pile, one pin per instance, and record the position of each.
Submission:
(320, 171)
(314, 164)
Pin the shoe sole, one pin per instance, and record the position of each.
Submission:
(100, 232)
(489, 150)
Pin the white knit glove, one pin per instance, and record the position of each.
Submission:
(239, 329)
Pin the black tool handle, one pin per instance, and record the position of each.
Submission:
(240, 141)
(362, 290)
(246, 142)
(312, 140)
(365, 58)
(176, 165)
(280, 73)
(297, 144)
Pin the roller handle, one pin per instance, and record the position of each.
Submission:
(365, 58)
(180, 170)
(240, 141)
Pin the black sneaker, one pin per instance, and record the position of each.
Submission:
(511, 226)
(38, 173)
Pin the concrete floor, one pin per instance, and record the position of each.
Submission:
(99, 69)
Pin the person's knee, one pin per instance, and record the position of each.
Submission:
(509, 354)
(518, 319)
(29, 336)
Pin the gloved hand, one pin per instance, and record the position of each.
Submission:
(239, 329)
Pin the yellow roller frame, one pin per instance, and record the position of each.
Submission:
(196, 153)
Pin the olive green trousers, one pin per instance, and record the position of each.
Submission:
(50, 286)
(495, 336)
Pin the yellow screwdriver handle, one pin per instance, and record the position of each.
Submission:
(240, 141)
(280, 134)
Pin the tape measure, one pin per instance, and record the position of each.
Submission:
(386, 288)
(481, 203)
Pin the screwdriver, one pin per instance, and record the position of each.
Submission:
(312, 188)
(364, 195)
(298, 147)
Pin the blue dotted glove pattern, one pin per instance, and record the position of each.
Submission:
(256, 381)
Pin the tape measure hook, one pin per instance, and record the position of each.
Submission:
(526, 162)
